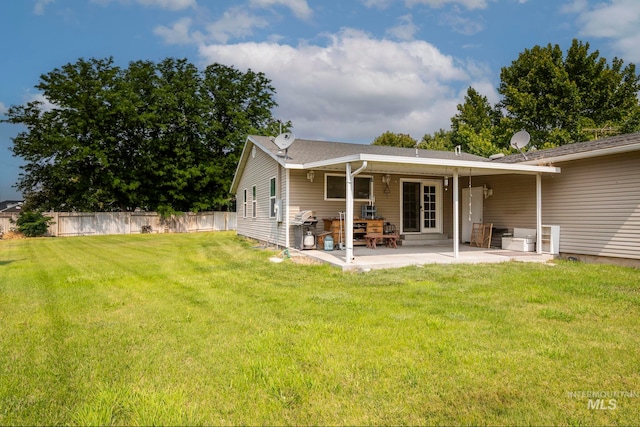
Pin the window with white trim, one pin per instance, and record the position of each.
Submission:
(272, 197)
(335, 187)
(244, 203)
(254, 202)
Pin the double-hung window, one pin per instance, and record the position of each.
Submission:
(272, 197)
(335, 187)
(254, 202)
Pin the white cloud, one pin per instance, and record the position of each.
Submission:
(235, 23)
(163, 4)
(462, 25)
(469, 4)
(405, 30)
(356, 87)
(178, 33)
(616, 20)
(300, 8)
(38, 8)
(3, 108)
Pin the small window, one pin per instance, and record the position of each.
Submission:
(272, 197)
(254, 202)
(335, 187)
(244, 204)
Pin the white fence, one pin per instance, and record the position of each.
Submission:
(95, 223)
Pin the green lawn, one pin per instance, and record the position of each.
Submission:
(203, 329)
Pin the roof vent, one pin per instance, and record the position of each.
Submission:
(496, 156)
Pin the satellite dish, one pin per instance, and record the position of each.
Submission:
(520, 139)
(284, 140)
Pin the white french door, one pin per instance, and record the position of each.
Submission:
(421, 206)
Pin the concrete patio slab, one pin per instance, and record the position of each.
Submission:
(365, 259)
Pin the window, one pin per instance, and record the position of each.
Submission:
(244, 204)
(272, 198)
(335, 187)
(254, 202)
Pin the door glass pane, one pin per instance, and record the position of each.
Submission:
(429, 206)
(411, 206)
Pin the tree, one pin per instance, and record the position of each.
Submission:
(440, 140)
(395, 140)
(157, 136)
(472, 126)
(559, 99)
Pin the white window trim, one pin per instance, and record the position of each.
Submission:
(254, 201)
(326, 175)
(272, 198)
(244, 203)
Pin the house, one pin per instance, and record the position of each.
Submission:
(589, 190)
(10, 206)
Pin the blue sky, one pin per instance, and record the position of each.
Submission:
(344, 70)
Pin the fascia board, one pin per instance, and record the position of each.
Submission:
(504, 167)
(584, 155)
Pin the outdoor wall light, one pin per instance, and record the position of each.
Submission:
(311, 175)
(488, 192)
(446, 183)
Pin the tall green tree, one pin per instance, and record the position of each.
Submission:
(157, 136)
(392, 139)
(560, 100)
(472, 126)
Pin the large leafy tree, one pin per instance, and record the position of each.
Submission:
(157, 136)
(392, 139)
(562, 99)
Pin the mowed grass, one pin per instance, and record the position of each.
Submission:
(201, 329)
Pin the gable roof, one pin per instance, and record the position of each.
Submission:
(332, 156)
(304, 151)
(577, 150)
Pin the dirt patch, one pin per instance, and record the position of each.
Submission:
(12, 235)
(305, 260)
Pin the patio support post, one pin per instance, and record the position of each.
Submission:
(538, 213)
(348, 217)
(456, 214)
(348, 220)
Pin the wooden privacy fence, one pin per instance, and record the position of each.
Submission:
(95, 223)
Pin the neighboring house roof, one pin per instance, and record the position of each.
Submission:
(325, 155)
(579, 150)
(10, 205)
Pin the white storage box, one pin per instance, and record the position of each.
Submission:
(523, 240)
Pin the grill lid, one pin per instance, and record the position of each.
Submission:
(303, 217)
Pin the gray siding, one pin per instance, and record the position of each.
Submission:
(258, 171)
(596, 203)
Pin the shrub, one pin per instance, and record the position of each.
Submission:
(33, 223)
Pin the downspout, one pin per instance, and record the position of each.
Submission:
(456, 215)
(538, 213)
(287, 174)
(348, 226)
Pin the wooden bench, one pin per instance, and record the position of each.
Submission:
(372, 239)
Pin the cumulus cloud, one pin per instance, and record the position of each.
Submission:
(356, 87)
(163, 4)
(178, 33)
(299, 8)
(3, 108)
(617, 20)
(469, 4)
(405, 30)
(235, 23)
